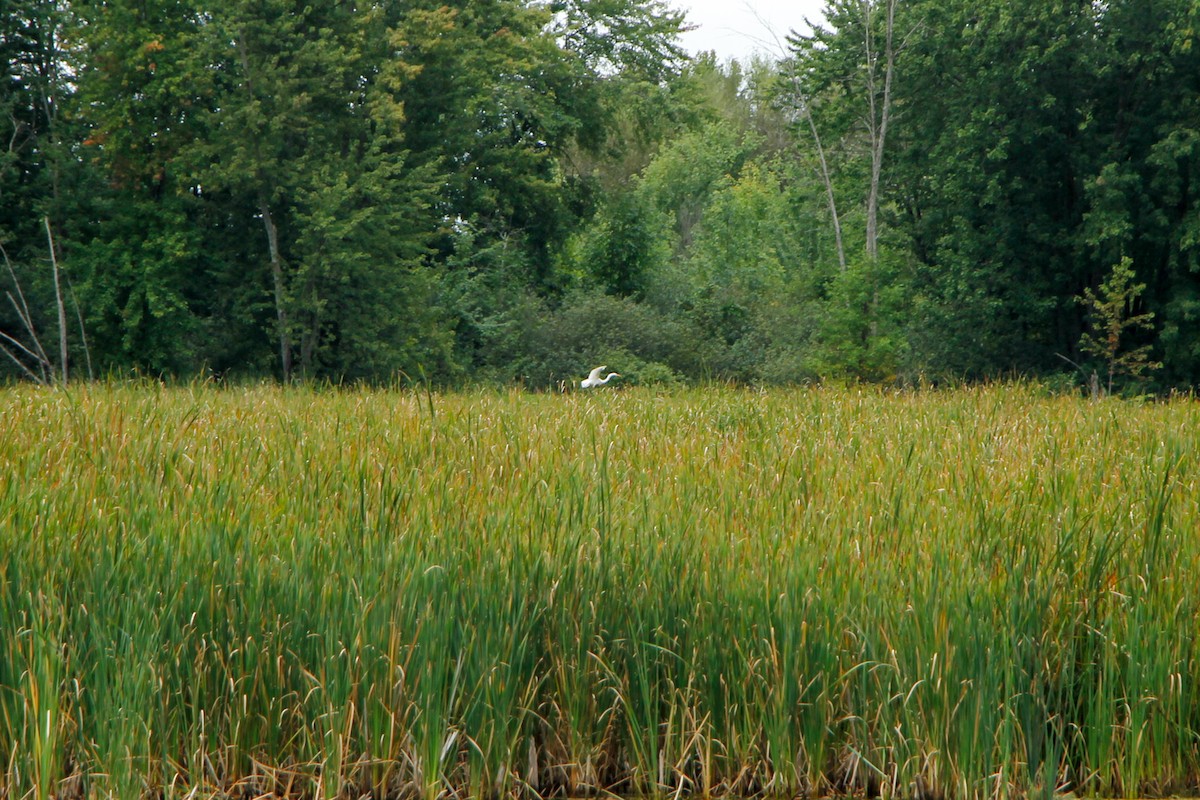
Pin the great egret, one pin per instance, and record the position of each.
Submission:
(594, 379)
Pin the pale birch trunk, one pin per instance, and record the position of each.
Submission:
(826, 178)
(879, 112)
(58, 301)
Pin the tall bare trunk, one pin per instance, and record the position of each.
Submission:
(877, 124)
(58, 300)
(825, 177)
(806, 108)
(285, 339)
(878, 116)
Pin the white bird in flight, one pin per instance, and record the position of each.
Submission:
(594, 379)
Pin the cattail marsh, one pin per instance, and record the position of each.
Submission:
(244, 592)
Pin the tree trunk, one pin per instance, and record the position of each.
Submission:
(878, 118)
(285, 341)
(877, 124)
(825, 177)
(837, 223)
(58, 300)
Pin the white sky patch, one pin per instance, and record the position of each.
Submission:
(740, 28)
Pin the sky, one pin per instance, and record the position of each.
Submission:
(739, 28)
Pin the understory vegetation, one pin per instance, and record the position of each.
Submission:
(967, 593)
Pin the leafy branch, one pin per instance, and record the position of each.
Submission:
(1110, 318)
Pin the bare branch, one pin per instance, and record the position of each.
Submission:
(33, 376)
(28, 352)
(23, 309)
(23, 314)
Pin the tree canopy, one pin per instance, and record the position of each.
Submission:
(513, 189)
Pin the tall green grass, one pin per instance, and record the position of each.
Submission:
(975, 593)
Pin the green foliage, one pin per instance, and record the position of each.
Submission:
(285, 157)
(140, 277)
(682, 176)
(38, 164)
(491, 308)
(622, 37)
(862, 332)
(344, 192)
(745, 244)
(990, 171)
(351, 215)
(746, 266)
(589, 329)
(627, 243)
(27, 87)
(492, 103)
(515, 336)
(1111, 318)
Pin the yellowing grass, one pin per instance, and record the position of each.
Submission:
(968, 593)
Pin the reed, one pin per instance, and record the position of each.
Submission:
(977, 593)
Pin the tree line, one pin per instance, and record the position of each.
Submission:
(503, 190)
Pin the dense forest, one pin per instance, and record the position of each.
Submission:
(515, 190)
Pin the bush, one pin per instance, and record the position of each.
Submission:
(591, 328)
